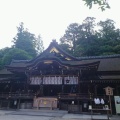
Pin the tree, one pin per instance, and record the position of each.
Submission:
(109, 37)
(70, 37)
(7, 54)
(88, 42)
(80, 38)
(16, 54)
(2, 53)
(25, 40)
(65, 47)
(88, 26)
(103, 4)
(26, 46)
(91, 42)
(39, 45)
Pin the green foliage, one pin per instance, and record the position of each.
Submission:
(2, 53)
(70, 37)
(15, 53)
(65, 47)
(103, 4)
(25, 40)
(117, 49)
(39, 45)
(91, 42)
(26, 46)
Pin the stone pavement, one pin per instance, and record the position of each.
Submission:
(32, 114)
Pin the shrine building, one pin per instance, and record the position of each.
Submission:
(57, 80)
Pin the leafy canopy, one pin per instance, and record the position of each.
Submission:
(91, 38)
(103, 4)
(25, 40)
(26, 46)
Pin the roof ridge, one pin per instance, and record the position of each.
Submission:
(13, 60)
(95, 57)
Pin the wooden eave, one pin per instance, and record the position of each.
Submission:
(103, 64)
(108, 72)
(5, 72)
(16, 69)
(55, 45)
(105, 81)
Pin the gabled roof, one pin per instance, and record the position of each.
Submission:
(54, 52)
(5, 72)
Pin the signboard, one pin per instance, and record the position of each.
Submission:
(117, 104)
(44, 102)
(109, 90)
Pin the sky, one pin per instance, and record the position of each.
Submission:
(49, 18)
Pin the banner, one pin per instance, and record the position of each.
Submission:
(71, 80)
(117, 104)
(52, 80)
(35, 80)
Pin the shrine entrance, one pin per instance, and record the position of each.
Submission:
(52, 90)
(53, 85)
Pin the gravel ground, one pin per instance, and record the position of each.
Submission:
(48, 115)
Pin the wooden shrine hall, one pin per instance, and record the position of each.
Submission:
(57, 80)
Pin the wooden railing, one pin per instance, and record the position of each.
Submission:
(79, 96)
(62, 96)
(16, 95)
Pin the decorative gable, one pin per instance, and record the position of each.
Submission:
(56, 51)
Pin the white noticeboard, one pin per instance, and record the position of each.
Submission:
(117, 104)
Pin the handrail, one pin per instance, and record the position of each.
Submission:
(13, 94)
(80, 95)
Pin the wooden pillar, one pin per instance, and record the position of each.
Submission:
(79, 78)
(79, 91)
(0, 103)
(41, 87)
(18, 106)
(11, 88)
(41, 90)
(51, 105)
(38, 104)
(110, 104)
(8, 106)
(26, 86)
(62, 88)
(59, 105)
(62, 85)
(95, 89)
(117, 89)
(79, 107)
